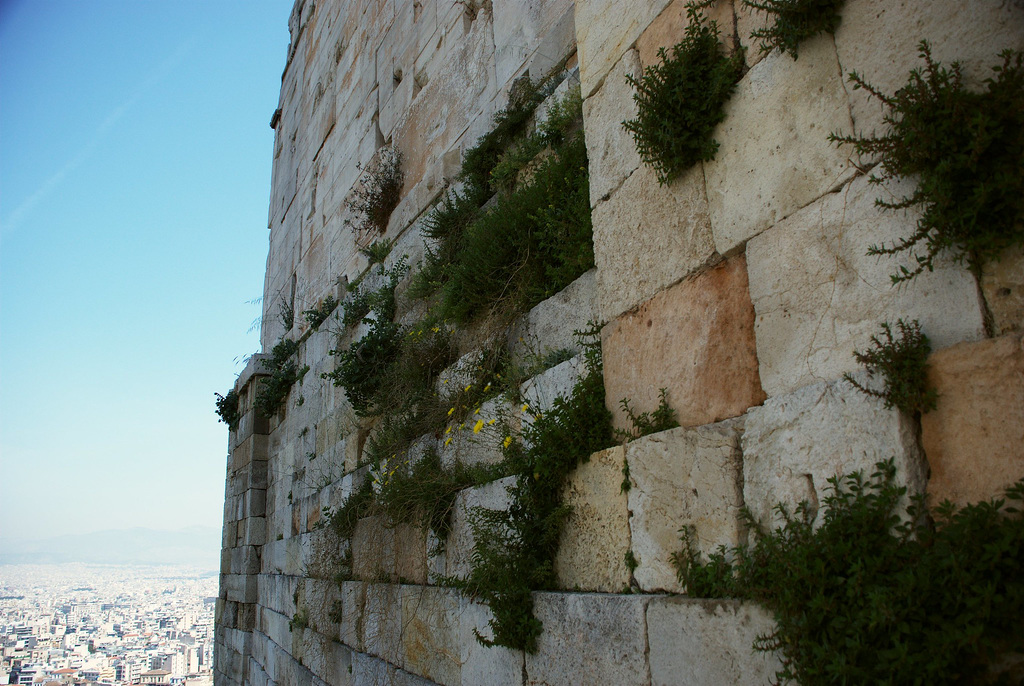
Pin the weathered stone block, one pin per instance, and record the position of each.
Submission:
(611, 150)
(540, 392)
(589, 639)
(879, 39)
(974, 440)
(519, 27)
(794, 443)
(255, 530)
(1002, 282)
(647, 237)
(492, 496)
(382, 622)
(683, 478)
(818, 297)
(353, 604)
(595, 537)
(694, 339)
(470, 442)
(708, 642)
(430, 633)
(669, 28)
(373, 549)
(482, 665)
(411, 554)
(551, 323)
(769, 166)
(601, 41)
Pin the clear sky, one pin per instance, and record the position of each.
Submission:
(135, 160)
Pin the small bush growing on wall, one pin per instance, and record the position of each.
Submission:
(316, 316)
(903, 362)
(795, 21)
(284, 372)
(227, 409)
(681, 100)
(966, 151)
(378, 192)
(868, 597)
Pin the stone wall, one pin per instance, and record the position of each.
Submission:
(742, 288)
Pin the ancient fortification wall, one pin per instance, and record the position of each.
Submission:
(742, 288)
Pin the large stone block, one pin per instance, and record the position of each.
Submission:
(382, 622)
(471, 442)
(775, 156)
(708, 642)
(879, 40)
(480, 664)
(647, 237)
(794, 443)
(669, 28)
(595, 537)
(431, 633)
(683, 478)
(519, 28)
(459, 549)
(589, 638)
(818, 297)
(551, 323)
(695, 339)
(540, 392)
(974, 440)
(605, 30)
(611, 151)
(373, 549)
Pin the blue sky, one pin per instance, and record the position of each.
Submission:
(135, 160)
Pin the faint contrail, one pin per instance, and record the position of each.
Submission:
(45, 188)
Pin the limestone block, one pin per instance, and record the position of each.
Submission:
(818, 297)
(353, 605)
(696, 339)
(605, 30)
(411, 554)
(254, 448)
(373, 549)
(540, 392)
(430, 633)
(775, 156)
(974, 440)
(382, 622)
(371, 671)
(878, 39)
(708, 642)
(589, 638)
(647, 237)
(255, 530)
(245, 560)
(463, 443)
(240, 588)
(669, 28)
(482, 665)
(611, 150)
(256, 502)
(275, 625)
(492, 496)
(276, 592)
(519, 28)
(794, 443)
(550, 324)
(595, 537)
(1002, 282)
(556, 43)
(683, 478)
(319, 598)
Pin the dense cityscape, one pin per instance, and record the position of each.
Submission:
(105, 624)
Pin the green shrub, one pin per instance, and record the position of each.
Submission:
(965, 149)
(515, 549)
(361, 367)
(318, 315)
(662, 418)
(378, 192)
(795, 21)
(681, 100)
(227, 409)
(284, 372)
(869, 597)
(903, 362)
(378, 251)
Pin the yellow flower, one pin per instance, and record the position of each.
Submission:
(476, 411)
(436, 329)
(479, 425)
(468, 387)
(525, 407)
(488, 386)
(444, 381)
(448, 430)
(492, 421)
(507, 442)
(447, 441)
(451, 412)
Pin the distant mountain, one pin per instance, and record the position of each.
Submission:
(197, 546)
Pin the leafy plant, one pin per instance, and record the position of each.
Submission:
(284, 372)
(965, 150)
(662, 418)
(378, 191)
(318, 315)
(287, 315)
(515, 548)
(903, 361)
(227, 409)
(870, 597)
(378, 251)
(361, 366)
(795, 21)
(681, 100)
